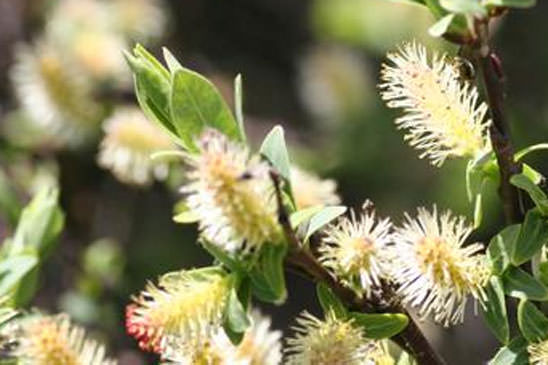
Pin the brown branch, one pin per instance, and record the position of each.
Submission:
(499, 131)
(304, 263)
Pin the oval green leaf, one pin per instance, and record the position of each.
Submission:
(380, 325)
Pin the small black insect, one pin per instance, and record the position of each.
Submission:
(465, 68)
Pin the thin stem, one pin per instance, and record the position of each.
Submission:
(304, 263)
(499, 131)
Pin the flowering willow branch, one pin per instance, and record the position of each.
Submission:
(304, 263)
(493, 79)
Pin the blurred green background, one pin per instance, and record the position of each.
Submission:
(309, 65)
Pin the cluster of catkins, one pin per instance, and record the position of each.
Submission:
(231, 195)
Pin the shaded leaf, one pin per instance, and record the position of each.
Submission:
(494, 310)
(513, 354)
(532, 236)
(519, 284)
(329, 301)
(236, 318)
(501, 246)
(40, 224)
(533, 324)
(536, 193)
(13, 269)
(267, 276)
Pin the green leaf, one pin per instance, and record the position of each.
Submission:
(228, 260)
(195, 104)
(183, 213)
(275, 151)
(26, 288)
(152, 87)
(513, 354)
(301, 216)
(330, 302)
(441, 26)
(519, 284)
(235, 313)
(532, 174)
(172, 62)
(267, 276)
(543, 272)
(532, 236)
(494, 310)
(533, 324)
(536, 193)
(511, 3)
(40, 224)
(238, 106)
(9, 203)
(536, 147)
(435, 7)
(13, 269)
(463, 6)
(380, 325)
(501, 247)
(322, 218)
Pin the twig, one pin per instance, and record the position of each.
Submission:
(304, 263)
(499, 131)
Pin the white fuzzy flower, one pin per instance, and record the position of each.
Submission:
(232, 195)
(56, 97)
(435, 270)
(326, 342)
(442, 115)
(53, 340)
(186, 305)
(259, 346)
(357, 251)
(126, 148)
(138, 19)
(538, 353)
(309, 190)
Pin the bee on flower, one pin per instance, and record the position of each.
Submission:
(232, 194)
(126, 149)
(435, 270)
(55, 95)
(259, 346)
(357, 250)
(443, 117)
(54, 340)
(331, 341)
(309, 190)
(188, 305)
